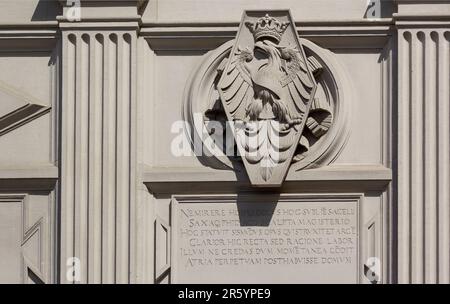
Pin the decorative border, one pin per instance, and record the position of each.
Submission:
(358, 198)
(29, 269)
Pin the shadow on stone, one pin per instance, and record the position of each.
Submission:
(256, 210)
(46, 11)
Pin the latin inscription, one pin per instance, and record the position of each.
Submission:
(288, 238)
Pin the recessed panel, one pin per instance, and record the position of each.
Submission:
(247, 240)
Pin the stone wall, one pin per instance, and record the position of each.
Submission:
(91, 190)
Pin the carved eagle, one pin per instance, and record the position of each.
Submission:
(269, 89)
(276, 87)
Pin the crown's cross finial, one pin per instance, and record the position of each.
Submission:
(268, 27)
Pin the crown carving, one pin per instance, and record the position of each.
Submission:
(267, 27)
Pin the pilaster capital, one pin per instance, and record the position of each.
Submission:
(425, 13)
(105, 3)
(77, 12)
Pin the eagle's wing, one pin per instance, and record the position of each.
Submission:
(297, 83)
(236, 85)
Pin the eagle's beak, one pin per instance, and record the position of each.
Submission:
(260, 45)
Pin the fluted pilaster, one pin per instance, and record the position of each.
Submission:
(424, 156)
(98, 152)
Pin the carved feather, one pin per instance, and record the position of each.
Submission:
(236, 85)
(296, 81)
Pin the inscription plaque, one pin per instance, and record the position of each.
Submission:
(295, 240)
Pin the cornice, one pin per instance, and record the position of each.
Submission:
(138, 3)
(400, 2)
(42, 179)
(422, 13)
(22, 38)
(329, 34)
(163, 181)
(117, 13)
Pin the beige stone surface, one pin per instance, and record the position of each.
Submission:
(88, 180)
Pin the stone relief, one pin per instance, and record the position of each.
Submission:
(282, 98)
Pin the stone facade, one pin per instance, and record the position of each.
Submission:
(103, 105)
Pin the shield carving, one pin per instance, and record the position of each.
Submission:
(266, 89)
